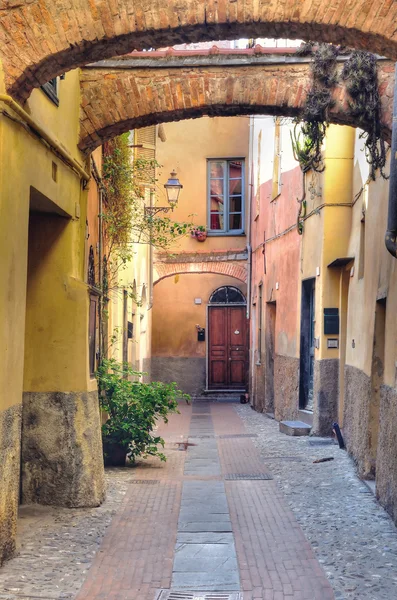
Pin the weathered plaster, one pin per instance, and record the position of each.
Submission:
(62, 460)
(356, 419)
(187, 372)
(286, 387)
(386, 462)
(326, 391)
(10, 445)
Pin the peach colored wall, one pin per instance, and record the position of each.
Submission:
(175, 314)
(282, 259)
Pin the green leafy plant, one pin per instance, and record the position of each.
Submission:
(133, 409)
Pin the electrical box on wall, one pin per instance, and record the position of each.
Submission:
(331, 321)
(201, 335)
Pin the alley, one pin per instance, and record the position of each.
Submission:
(231, 511)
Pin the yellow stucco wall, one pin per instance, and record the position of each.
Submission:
(27, 164)
(327, 232)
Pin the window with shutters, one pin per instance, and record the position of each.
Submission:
(145, 150)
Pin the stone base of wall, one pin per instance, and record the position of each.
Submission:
(188, 373)
(286, 387)
(258, 397)
(358, 392)
(386, 459)
(326, 395)
(62, 461)
(10, 451)
(147, 369)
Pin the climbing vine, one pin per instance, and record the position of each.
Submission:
(129, 187)
(361, 77)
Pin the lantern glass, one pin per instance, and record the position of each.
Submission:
(173, 188)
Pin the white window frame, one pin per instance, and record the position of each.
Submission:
(225, 230)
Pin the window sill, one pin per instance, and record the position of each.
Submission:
(225, 233)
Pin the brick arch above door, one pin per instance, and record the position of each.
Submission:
(163, 270)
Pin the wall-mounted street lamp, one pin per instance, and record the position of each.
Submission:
(172, 188)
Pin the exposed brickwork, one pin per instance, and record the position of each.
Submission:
(162, 270)
(42, 38)
(116, 100)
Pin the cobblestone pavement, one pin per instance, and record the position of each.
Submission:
(161, 534)
(352, 536)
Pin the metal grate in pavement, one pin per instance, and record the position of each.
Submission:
(230, 436)
(184, 595)
(145, 481)
(247, 477)
(200, 415)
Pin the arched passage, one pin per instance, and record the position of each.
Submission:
(115, 100)
(44, 38)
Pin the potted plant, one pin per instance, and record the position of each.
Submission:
(200, 233)
(132, 409)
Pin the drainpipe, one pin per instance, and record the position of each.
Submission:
(249, 211)
(391, 233)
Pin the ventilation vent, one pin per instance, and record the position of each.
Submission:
(247, 476)
(182, 595)
(145, 481)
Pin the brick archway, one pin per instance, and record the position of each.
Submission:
(40, 39)
(142, 97)
(163, 270)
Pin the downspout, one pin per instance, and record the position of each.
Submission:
(391, 233)
(100, 274)
(249, 248)
(151, 259)
(250, 189)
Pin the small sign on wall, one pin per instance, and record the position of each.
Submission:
(332, 343)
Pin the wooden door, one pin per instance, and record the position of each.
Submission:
(227, 347)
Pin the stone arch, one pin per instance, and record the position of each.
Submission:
(40, 39)
(142, 97)
(163, 270)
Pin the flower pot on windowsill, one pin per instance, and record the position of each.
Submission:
(201, 236)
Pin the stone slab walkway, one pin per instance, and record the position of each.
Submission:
(220, 515)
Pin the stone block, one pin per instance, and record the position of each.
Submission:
(295, 428)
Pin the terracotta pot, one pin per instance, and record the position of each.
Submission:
(114, 455)
(201, 236)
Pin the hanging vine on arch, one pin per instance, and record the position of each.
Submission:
(361, 76)
(310, 128)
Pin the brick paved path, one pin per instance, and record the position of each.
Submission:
(189, 525)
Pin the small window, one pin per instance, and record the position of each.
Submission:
(51, 90)
(226, 196)
(227, 295)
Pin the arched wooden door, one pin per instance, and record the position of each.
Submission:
(227, 340)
